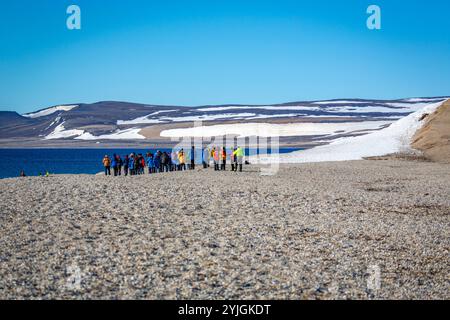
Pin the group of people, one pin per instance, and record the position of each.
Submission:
(219, 158)
(162, 161)
(135, 164)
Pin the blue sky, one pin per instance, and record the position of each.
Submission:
(194, 52)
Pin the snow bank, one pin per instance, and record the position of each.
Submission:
(61, 133)
(49, 111)
(275, 130)
(396, 138)
(128, 134)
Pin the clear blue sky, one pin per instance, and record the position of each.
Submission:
(193, 52)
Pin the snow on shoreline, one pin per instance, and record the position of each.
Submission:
(395, 138)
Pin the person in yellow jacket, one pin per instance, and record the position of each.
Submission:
(182, 160)
(211, 156)
(215, 158)
(233, 159)
(239, 153)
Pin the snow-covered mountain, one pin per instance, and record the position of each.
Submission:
(112, 120)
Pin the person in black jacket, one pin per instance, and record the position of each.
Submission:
(126, 162)
(169, 162)
(119, 165)
(192, 167)
(164, 162)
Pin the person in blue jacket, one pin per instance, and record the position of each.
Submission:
(157, 161)
(131, 165)
(150, 163)
(114, 164)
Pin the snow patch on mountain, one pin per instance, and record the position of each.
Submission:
(205, 117)
(49, 111)
(338, 102)
(61, 133)
(57, 119)
(426, 99)
(398, 107)
(271, 108)
(128, 134)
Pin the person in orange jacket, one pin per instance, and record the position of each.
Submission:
(216, 159)
(223, 158)
(107, 164)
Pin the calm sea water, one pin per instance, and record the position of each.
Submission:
(60, 161)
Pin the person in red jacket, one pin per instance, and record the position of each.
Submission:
(223, 159)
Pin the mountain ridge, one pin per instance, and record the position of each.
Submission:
(112, 120)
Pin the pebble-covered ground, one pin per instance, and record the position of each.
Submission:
(351, 230)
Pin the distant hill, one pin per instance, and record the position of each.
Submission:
(13, 124)
(11, 119)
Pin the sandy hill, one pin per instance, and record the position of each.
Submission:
(433, 139)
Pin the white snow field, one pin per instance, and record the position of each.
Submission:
(60, 133)
(393, 139)
(128, 134)
(49, 111)
(275, 130)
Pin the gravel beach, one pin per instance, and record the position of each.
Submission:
(349, 230)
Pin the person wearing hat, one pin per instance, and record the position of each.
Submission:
(107, 165)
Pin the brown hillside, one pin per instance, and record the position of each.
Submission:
(433, 139)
